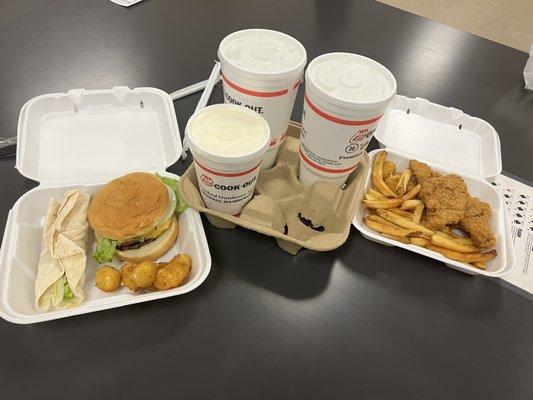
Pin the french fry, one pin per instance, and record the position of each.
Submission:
(377, 175)
(418, 241)
(395, 176)
(383, 221)
(463, 257)
(446, 230)
(443, 233)
(385, 203)
(457, 238)
(417, 215)
(392, 182)
(462, 238)
(411, 204)
(388, 215)
(389, 168)
(411, 193)
(406, 214)
(453, 244)
(386, 229)
(401, 187)
(375, 193)
(480, 265)
(392, 203)
(420, 235)
(402, 239)
(368, 196)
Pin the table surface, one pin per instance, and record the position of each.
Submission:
(363, 321)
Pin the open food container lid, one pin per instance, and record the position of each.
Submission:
(443, 135)
(88, 133)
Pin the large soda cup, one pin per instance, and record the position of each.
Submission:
(261, 70)
(345, 97)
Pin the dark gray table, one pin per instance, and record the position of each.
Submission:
(364, 321)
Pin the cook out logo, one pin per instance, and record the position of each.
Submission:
(360, 135)
(235, 187)
(206, 180)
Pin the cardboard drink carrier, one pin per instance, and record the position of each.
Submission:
(83, 139)
(449, 141)
(317, 218)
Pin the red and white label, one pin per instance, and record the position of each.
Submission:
(332, 144)
(275, 106)
(227, 192)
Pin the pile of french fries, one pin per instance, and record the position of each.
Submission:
(395, 211)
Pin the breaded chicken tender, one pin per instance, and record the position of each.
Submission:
(445, 198)
(422, 171)
(476, 223)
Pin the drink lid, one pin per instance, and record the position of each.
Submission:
(227, 132)
(262, 51)
(350, 79)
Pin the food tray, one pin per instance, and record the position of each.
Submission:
(83, 139)
(316, 218)
(449, 141)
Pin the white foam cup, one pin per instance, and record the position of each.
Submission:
(261, 70)
(345, 96)
(227, 143)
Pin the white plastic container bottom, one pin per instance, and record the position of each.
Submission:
(227, 182)
(477, 187)
(262, 70)
(449, 141)
(336, 129)
(21, 247)
(83, 139)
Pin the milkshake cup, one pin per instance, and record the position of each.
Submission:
(261, 70)
(227, 143)
(345, 98)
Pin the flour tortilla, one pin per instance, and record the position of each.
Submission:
(64, 252)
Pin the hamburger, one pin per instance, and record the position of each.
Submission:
(134, 217)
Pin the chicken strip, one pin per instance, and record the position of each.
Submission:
(445, 198)
(476, 223)
(421, 171)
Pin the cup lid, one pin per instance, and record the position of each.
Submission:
(86, 133)
(348, 79)
(262, 52)
(228, 133)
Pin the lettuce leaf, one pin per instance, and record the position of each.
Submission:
(67, 293)
(175, 186)
(105, 249)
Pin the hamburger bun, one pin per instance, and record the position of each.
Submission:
(128, 206)
(152, 250)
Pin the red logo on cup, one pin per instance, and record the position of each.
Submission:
(360, 135)
(206, 180)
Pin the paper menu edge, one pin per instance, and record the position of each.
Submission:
(125, 3)
(516, 190)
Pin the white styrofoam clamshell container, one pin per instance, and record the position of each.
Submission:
(443, 135)
(449, 141)
(83, 139)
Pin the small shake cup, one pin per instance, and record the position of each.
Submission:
(227, 143)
